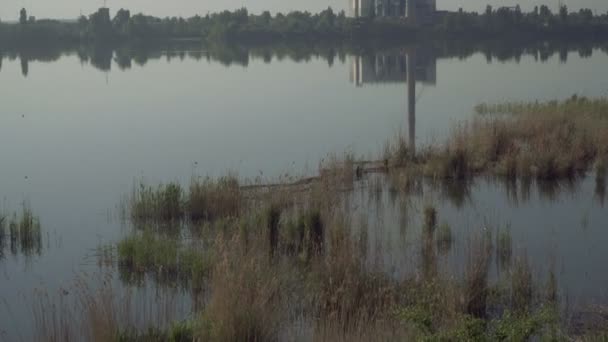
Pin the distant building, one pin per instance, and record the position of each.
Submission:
(392, 67)
(420, 11)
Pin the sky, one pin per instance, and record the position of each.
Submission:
(66, 9)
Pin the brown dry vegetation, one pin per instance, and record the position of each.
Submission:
(284, 255)
(545, 140)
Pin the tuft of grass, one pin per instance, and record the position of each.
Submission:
(272, 224)
(25, 234)
(256, 313)
(164, 203)
(210, 200)
(206, 200)
(521, 287)
(165, 258)
(177, 332)
(476, 288)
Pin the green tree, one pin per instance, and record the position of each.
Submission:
(545, 12)
(23, 16)
(563, 13)
(121, 19)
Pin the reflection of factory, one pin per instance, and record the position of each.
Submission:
(415, 10)
(392, 67)
(411, 66)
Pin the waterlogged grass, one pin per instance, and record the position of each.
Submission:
(272, 257)
(167, 259)
(281, 266)
(543, 140)
(24, 233)
(206, 200)
(178, 332)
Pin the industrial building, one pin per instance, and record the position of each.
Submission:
(417, 11)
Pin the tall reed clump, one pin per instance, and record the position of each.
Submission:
(2, 235)
(549, 139)
(521, 286)
(210, 200)
(248, 294)
(160, 204)
(476, 288)
(24, 232)
(206, 200)
(94, 309)
(345, 294)
(545, 140)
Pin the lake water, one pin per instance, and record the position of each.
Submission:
(77, 127)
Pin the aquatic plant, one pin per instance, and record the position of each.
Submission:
(214, 199)
(521, 286)
(164, 203)
(165, 258)
(476, 288)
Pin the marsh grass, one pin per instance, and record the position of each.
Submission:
(318, 275)
(476, 288)
(521, 286)
(209, 200)
(163, 203)
(3, 235)
(168, 260)
(543, 140)
(24, 233)
(205, 200)
(94, 309)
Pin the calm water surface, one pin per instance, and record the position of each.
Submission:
(75, 132)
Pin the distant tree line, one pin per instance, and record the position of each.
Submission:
(240, 25)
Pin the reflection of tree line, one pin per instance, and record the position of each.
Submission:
(102, 56)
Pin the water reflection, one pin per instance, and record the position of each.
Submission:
(410, 65)
(389, 65)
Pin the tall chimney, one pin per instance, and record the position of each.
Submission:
(411, 11)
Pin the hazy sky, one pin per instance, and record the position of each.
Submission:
(71, 8)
